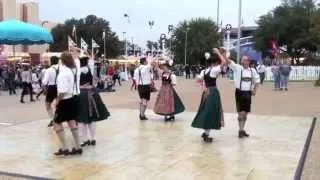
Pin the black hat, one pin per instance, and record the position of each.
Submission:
(143, 60)
(84, 61)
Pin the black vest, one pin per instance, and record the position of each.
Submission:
(209, 81)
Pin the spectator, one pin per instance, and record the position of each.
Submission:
(276, 75)
(285, 69)
(11, 81)
(262, 72)
(187, 71)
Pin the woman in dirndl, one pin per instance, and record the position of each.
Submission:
(168, 102)
(91, 106)
(210, 113)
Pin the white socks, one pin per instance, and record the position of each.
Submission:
(92, 130)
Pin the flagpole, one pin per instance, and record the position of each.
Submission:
(239, 30)
(104, 41)
(91, 48)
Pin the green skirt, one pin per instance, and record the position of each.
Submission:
(210, 113)
(91, 107)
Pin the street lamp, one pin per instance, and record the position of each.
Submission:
(185, 47)
(239, 31)
(128, 17)
(125, 43)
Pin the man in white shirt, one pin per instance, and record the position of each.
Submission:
(26, 83)
(49, 83)
(246, 81)
(262, 71)
(143, 77)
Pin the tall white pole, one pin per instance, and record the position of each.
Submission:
(239, 31)
(218, 13)
(104, 47)
(185, 49)
(92, 56)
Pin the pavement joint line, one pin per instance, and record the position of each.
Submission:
(17, 175)
(303, 157)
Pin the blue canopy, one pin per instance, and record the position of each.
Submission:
(14, 32)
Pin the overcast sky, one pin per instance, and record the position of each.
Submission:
(162, 12)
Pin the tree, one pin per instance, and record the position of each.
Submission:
(87, 28)
(291, 26)
(202, 37)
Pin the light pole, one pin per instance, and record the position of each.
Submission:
(185, 47)
(218, 13)
(125, 43)
(239, 31)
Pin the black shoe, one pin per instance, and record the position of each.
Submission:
(166, 119)
(21, 101)
(62, 152)
(76, 151)
(286, 89)
(143, 118)
(172, 118)
(243, 134)
(32, 100)
(93, 142)
(206, 138)
(86, 143)
(50, 124)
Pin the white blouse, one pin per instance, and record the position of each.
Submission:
(214, 72)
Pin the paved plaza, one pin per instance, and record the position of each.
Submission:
(130, 149)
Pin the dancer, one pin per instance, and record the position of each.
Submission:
(143, 75)
(168, 102)
(246, 81)
(210, 113)
(91, 107)
(49, 83)
(67, 104)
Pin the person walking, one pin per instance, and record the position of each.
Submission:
(284, 70)
(26, 78)
(262, 72)
(210, 112)
(143, 76)
(246, 81)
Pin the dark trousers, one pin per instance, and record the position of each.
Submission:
(26, 88)
(115, 80)
(188, 76)
(11, 87)
(262, 76)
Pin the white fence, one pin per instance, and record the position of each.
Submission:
(299, 73)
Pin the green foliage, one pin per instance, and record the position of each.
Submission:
(87, 28)
(202, 37)
(293, 25)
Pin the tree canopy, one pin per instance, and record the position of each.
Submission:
(294, 26)
(202, 36)
(86, 28)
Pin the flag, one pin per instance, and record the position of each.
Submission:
(71, 42)
(103, 35)
(94, 44)
(74, 31)
(84, 45)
